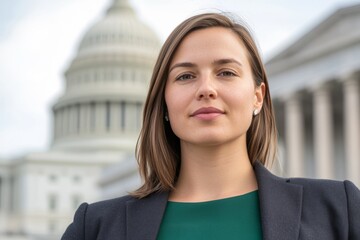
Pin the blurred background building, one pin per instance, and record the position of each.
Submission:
(315, 87)
(96, 122)
(314, 84)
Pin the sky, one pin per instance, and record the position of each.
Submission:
(39, 38)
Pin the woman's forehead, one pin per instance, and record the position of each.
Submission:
(212, 44)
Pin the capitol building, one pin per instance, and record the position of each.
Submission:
(314, 84)
(96, 122)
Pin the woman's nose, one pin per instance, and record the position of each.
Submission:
(206, 89)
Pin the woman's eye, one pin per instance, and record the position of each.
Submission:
(227, 74)
(185, 77)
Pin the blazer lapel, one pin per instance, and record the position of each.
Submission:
(144, 216)
(280, 205)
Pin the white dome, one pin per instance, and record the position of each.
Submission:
(120, 29)
(106, 83)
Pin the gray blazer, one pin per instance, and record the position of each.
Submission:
(290, 209)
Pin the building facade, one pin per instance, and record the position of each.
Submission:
(96, 122)
(315, 87)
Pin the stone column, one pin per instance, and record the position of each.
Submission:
(70, 119)
(83, 117)
(115, 116)
(58, 123)
(130, 117)
(294, 136)
(55, 124)
(65, 114)
(5, 202)
(139, 110)
(352, 127)
(63, 122)
(6, 192)
(92, 118)
(100, 117)
(123, 124)
(73, 117)
(323, 132)
(78, 118)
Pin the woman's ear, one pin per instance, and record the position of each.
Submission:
(259, 96)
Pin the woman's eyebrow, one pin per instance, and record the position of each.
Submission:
(182, 64)
(216, 62)
(225, 61)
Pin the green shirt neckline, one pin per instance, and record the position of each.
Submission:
(215, 200)
(229, 218)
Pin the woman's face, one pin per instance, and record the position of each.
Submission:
(210, 91)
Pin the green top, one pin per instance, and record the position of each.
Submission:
(229, 218)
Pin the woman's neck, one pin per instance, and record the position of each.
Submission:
(209, 173)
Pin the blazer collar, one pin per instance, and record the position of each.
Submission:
(280, 205)
(144, 216)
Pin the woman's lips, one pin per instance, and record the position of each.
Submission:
(207, 113)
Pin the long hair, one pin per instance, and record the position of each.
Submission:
(158, 148)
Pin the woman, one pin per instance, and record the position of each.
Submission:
(208, 129)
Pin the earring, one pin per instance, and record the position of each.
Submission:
(256, 111)
(166, 117)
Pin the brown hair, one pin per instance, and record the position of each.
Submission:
(158, 148)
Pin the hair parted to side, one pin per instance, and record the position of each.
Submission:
(158, 148)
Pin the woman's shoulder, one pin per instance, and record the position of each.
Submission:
(113, 202)
(327, 189)
(106, 218)
(108, 207)
(325, 184)
(102, 217)
(333, 201)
